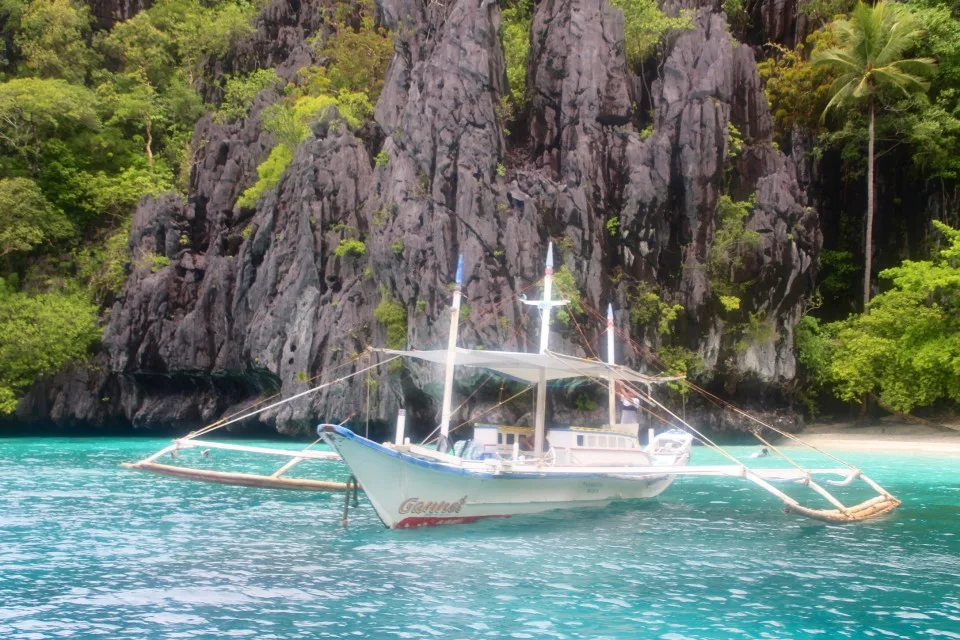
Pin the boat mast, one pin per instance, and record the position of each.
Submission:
(611, 359)
(451, 358)
(546, 305)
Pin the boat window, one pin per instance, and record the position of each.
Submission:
(602, 441)
(579, 441)
(510, 438)
(499, 438)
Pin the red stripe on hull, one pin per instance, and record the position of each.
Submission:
(432, 521)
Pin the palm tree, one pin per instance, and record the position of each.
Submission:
(867, 55)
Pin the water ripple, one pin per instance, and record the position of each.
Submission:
(89, 550)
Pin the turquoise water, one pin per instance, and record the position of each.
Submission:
(88, 549)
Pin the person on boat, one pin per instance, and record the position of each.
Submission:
(628, 412)
(526, 442)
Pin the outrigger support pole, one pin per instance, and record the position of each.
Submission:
(451, 357)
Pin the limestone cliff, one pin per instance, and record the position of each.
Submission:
(257, 301)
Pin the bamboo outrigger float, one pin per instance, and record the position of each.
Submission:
(491, 476)
(274, 481)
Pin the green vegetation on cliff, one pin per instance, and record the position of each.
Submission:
(344, 89)
(90, 122)
(645, 26)
(515, 33)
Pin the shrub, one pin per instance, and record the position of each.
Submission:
(239, 93)
(104, 268)
(270, 171)
(680, 361)
(613, 226)
(39, 335)
(158, 262)
(646, 306)
(350, 247)
(515, 33)
(566, 288)
(731, 242)
(393, 316)
(645, 26)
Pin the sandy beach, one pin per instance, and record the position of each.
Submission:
(889, 434)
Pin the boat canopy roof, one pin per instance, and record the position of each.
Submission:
(527, 366)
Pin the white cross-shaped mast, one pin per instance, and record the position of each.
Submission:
(545, 305)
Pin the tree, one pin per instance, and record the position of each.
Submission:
(868, 56)
(53, 39)
(907, 349)
(34, 110)
(40, 334)
(27, 219)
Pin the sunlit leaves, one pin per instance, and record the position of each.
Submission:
(53, 38)
(269, 173)
(645, 26)
(907, 349)
(32, 109)
(27, 219)
(515, 33)
(38, 335)
(342, 91)
(240, 91)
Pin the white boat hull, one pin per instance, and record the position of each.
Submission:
(409, 491)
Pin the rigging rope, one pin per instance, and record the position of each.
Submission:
(649, 398)
(222, 421)
(643, 351)
(485, 411)
(294, 397)
(460, 406)
(509, 298)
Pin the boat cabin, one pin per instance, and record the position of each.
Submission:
(570, 445)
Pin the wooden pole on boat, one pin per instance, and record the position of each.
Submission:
(451, 358)
(401, 426)
(546, 306)
(611, 359)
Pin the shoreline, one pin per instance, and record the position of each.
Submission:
(889, 435)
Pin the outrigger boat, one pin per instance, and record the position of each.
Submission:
(500, 472)
(493, 476)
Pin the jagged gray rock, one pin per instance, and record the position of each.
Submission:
(257, 300)
(109, 12)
